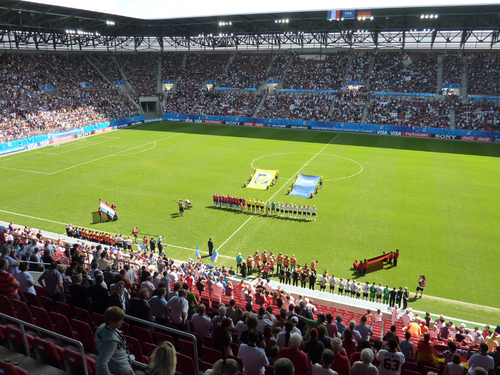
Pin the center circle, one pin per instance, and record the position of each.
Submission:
(348, 167)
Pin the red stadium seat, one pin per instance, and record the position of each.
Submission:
(65, 309)
(29, 298)
(49, 353)
(85, 335)
(134, 348)
(83, 316)
(75, 362)
(211, 355)
(62, 325)
(42, 318)
(148, 348)
(186, 347)
(47, 303)
(6, 306)
(142, 334)
(40, 291)
(185, 365)
(161, 337)
(23, 312)
(16, 342)
(10, 369)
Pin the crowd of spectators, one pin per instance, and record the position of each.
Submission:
(107, 65)
(483, 70)
(28, 111)
(358, 70)
(250, 323)
(413, 111)
(349, 106)
(171, 66)
(420, 72)
(316, 72)
(452, 67)
(182, 101)
(403, 72)
(228, 103)
(141, 71)
(278, 68)
(386, 71)
(297, 107)
(245, 71)
(477, 115)
(201, 68)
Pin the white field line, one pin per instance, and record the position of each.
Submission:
(116, 153)
(57, 222)
(237, 230)
(94, 160)
(445, 300)
(88, 144)
(25, 170)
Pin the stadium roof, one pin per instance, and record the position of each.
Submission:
(26, 25)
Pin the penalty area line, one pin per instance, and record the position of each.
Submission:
(307, 163)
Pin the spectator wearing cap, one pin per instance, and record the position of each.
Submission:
(283, 338)
(491, 341)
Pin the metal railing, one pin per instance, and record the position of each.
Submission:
(173, 330)
(22, 326)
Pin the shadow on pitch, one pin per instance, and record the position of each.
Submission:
(309, 136)
(238, 212)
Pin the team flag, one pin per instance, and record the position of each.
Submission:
(364, 13)
(105, 208)
(334, 15)
(215, 256)
(198, 253)
(262, 179)
(305, 185)
(140, 246)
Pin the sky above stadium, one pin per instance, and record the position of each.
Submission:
(161, 9)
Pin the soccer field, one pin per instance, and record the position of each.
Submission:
(436, 201)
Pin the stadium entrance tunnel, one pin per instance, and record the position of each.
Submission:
(151, 107)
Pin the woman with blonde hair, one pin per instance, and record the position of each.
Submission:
(163, 360)
(224, 367)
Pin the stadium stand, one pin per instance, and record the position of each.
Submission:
(245, 71)
(477, 115)
(28, 111)
(277, 300)
(141, 71)
(452, 67)
(349, 106)
(227, 103)
(419, 112)
(482, 73)
(296, 107)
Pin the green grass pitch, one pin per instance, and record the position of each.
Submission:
(437, 201)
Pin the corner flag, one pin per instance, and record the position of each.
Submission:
(215, 256)
(198, 253)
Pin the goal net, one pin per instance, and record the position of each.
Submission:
(62, 139)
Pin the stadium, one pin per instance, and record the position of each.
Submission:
(288, 144)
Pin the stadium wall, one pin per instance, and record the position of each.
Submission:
(48, 139)
(400, 131)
